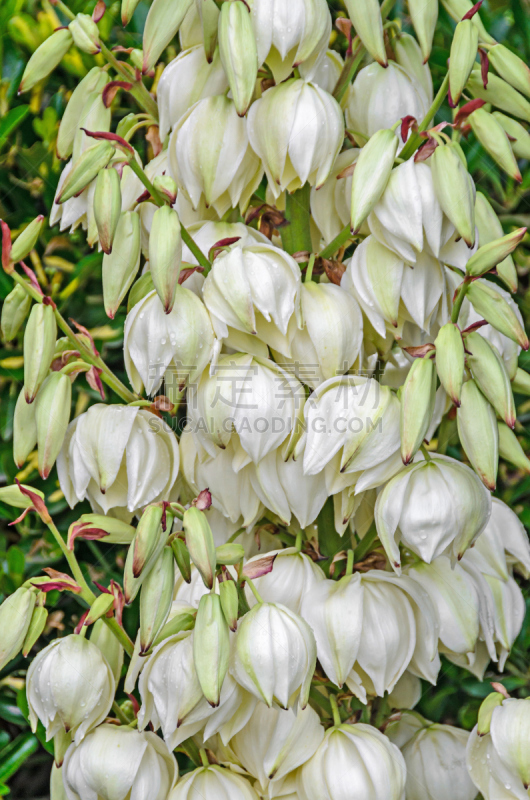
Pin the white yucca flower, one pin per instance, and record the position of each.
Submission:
(293, 576)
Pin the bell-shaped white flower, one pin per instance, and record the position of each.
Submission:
(327, 71)
(510, 729)
(331, 338)
(251, 400)
(256, 290)
(174, 347)
(274, 655)
(210, 157)
(507, 529)
(69, 686)
(293, 576)
(113, 763)
(331, 202)
(275, 742)
(380, 97)
(214, 783)
(186, 80)
(209, 233)
(118, 457)
(432, 507)
(353, 416)
(354, 758)
(297, 129)
(489, 773)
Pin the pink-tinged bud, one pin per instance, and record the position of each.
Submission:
(85, 169)
(495, 141)
(490, 375)
(85, 94)
(156, 597)
(166, 186)
(424, 15)
(510, 67)
(462, 57)
(490, 229)
(107, 207)
(199, 541)
(371, 175)
(100, 526)
(368, 24)
(147, 540)
(477, 429)
(238, 51)
(15, 309)
(128, 7)
(259, 567)
(15, 617)
(26, 241)
(517, 134)
(211, 647)
(490, 305)
(24, 430)
(229, 602)
(208, 11)
(454, 189)
(489, 255)
(450, 360)
(203, 501)
(459, 9)
(52, 415)
(165, 254)
(39, 347)
(99, 608)
(36, 625)
(163, 21)
(500, 94)
(85, 34)
(45, 58)
(417, 405)
(510, 448)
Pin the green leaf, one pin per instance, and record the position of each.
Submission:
(13, 756)
(329, 541)
(11, 121)
(11, 713)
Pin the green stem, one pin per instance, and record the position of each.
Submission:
(204, 757)
(64, 8)
(113, 625)
(139, 90)
(335, 710)
(349, 563)
(426, 454)
(365, 545)
(296, 236)
(298, 543)
(349, 70)
(75, 366)
(119, 713)
(337, 243)
(254, 590)
(415, 139)
(459, 299)
(309, 270)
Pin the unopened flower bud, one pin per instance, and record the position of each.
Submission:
(485, 712)
(166, 186)
(372, 171)
(238, 51)
(45, 58)
(15, 309)
(181, 620)
(39, 347)
(490, 375)
(120, 266)
(510, 67)
(519, 136)
(85, 34)
(99, 608)
(147, 540)
(107, 207)
(182, 557)
(15, 618)
(162, 22)
(490, 304)
(494, 140)
(208, 11)
(85, 169)
(165, 254)
(450, 360)
(510, 448)
(459, 8)
(108, 529)
(26, 241)
(427, 754)
(368, 24)
(424, 16)
(106, 641)
(229, 602)
(128, 7)
(231, 553)
(211, 647)
(14, 496)
(155, 598)
(463, 54)
(199, 541)
(477, 429)
(82, 98)
(499, 94)
(52, 415)
(490, 229)
(454, 189)
(36, 626)
(521, 382)
(24, 430)
(417, 406)
(491, 254)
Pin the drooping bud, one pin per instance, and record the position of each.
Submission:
(417, 406)
(120, 266)
(45, 58)
(499, 94)
(521, 382)
(211, 647)
(84, 94)
(510, 67)
(24, 430)
(85, 34)
(477, 429)
(519, 136)
(26, 241)
(98, 526)
(454, 189)
(199, 541)
(490, 375)
(107, 207)
(52, 415)
(181, 620)
(424, 15)
(489, 229)
(493, 307)
(182, 557)
(85, 169)
(238, 51)
(36, 625)
(510, 448)
(15, 309)
(155, 599)
(494, 140)
(99, 608)
(147, 539)
(162, 22)
(486, 710)
(457, 9)
(489, 255)
(371, 175)
(166, 186)
(368, 24)
(18, 496)
(209, 15)
(231, 553)
(450, 360)
(463, 54)
(165, 254)
(39, 347)
(106, 641)
(15, 618)
(128, 7)
(229, 602)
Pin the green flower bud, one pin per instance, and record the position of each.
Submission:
(459, 8)
(510, 448)
(182, 557)
(454, 189)
(181, 620)
(230, 553)
(162, 22)
(490, 375)
(85, 34)
(128, 7)
(156, 597)
(372, 171)
(24, 430)
(450, 360)
(489, 229)
(107, 207)
(417, 406)
(366, 18)
(486, 710)
(82, 98)
(39, 347)
(477, 429)
(239, 54)
(494, 140)
(36, 627)
(147, 539)
(166, 186)
(26, 241)
(45, 58)
(117, 532)
(85, 169)
(519, 136)
(108, 644)
(491, 254)
(101, 605)
(500, 94)
(12, 496)
(15, 309)
(211, 647)
(120, 266)
(165, 254)
(521, 382)
(462, 57)
(140, 288)
(15, 618)
(209, 15)
(52, 415)
(229, 602)
(424, 16)
(510, 67)
(199, 541)
(493, 307)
